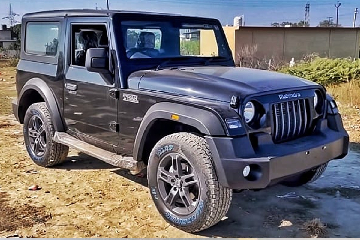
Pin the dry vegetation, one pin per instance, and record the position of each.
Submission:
(315, 228)
(346, 95)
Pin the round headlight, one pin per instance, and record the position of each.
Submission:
(249, 112)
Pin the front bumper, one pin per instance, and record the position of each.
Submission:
(269, 162)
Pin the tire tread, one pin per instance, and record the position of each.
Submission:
(58, 152)
(219, 197)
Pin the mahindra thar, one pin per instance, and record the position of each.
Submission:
(161, 93)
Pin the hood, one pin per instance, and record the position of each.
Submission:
(215, 83)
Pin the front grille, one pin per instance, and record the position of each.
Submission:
(291, 119)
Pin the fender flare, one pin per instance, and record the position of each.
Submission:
(47, 94)
(203, 120)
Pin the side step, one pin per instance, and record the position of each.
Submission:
(109, 157)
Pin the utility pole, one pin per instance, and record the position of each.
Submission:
(107, 4)
(307, 14)
(355, 16)
(96, 7)
(11, 17)
(337, 5)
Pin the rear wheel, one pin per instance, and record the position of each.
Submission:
(183, 183)
(38, 135)
(305, 177)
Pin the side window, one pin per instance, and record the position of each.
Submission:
(84, 37)
(42, 38)
(198, 42)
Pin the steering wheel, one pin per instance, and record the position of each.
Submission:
(150, 52)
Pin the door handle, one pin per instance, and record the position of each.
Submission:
(71, 87)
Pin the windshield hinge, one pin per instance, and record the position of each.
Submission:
(114, 93)
(114, 126)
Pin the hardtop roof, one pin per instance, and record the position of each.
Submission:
(93, 13)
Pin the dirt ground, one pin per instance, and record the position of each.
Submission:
(85, 197)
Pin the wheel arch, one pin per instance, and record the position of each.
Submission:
(36, 90)
(191, 119)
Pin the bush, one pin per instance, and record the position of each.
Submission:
(13, 62)
(190, 48)
(326, 71)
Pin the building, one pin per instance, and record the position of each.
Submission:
(5, 37)
(239, 21)
(190, 35)
(287, 43)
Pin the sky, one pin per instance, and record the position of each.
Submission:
(256, 12)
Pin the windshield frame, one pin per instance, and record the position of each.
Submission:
(136, 64)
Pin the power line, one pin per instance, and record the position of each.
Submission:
(11, 17)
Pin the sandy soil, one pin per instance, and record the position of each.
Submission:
(85, 197)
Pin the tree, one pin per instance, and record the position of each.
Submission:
(275, 24)
(16, 33)
(327, 23)
(283, 24)
(302, 24)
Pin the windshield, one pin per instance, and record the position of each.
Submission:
(169, 39)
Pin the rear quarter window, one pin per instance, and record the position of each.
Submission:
(42, 38)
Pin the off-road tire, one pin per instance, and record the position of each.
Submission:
(54, 153)
(213, 199)
(305, 177)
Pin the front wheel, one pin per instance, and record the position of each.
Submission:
(183, 183)
(38, 135)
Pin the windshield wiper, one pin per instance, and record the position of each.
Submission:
(163, 64)
(167, 61)
(211, 59)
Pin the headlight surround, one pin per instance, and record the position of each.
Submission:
(318, 102)
(316, 98)
(249, 112)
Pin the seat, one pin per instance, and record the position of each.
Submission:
(146, 40)
(145, 46)
(87, 39)
(104, 41)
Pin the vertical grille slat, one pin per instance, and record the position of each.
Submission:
(295, 121)
(291, 119)
(282, 121)
(305, 117)
(300, 116)
(277, 120)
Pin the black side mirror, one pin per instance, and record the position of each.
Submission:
(97, 60)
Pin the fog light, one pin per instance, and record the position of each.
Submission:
(246, 171)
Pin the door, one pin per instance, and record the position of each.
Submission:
(90, 105)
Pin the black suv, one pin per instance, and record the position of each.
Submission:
(158, 91)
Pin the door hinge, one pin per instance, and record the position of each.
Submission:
(114, 126)
(114, 93)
